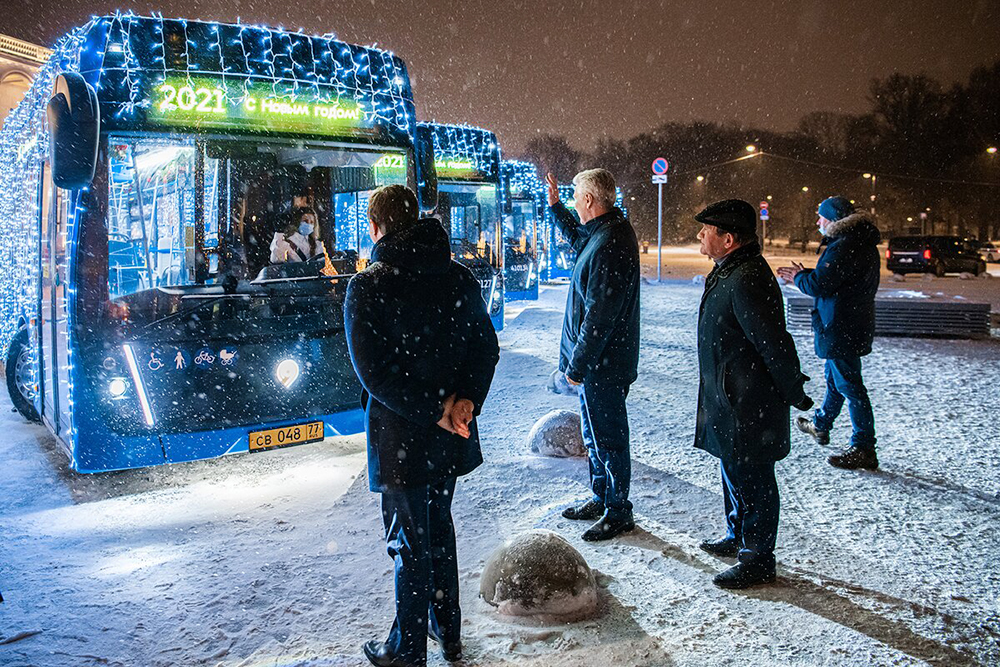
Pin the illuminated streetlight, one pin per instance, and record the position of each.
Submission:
(805, 188)
(909, 219)
(769, 198)
(700, 179)
(751, 148)
(991, 150)
(866, 175)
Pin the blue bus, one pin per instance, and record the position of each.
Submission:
(469, 197)
(145, 181)
(524, 243)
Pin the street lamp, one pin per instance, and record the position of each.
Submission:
(700, 178)
(805, 188)
(751, 148)
(872, 177)
(991, 150)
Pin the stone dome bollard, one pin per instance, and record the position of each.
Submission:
(557, 434)
(538, 573)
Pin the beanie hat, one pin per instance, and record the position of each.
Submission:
(835, 208)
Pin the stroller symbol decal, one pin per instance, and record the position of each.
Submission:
(228, 356)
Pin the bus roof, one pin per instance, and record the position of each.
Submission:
(523, 178)
(464, 153)
(129, 58)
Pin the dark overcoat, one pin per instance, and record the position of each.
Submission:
(600, 334)
(749, 368)
(844, 284)
(417, 332)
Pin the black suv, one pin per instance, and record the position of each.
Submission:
(933, 254)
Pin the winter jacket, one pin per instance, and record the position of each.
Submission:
(749, 368)
(417, 332)
(600, 335)
(844, 284)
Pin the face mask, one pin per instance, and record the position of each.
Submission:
(306, 228)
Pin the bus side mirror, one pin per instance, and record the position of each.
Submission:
(427, 184)
(74, 127)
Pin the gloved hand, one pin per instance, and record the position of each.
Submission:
(805, 404)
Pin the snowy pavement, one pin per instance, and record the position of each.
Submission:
(277, 558)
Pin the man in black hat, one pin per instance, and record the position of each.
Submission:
(749, 377)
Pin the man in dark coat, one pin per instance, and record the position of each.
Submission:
(749, 377)
(425, 351)
(844, 284)
(599, 349)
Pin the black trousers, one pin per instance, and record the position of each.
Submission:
(752, 507)
(606, 435)
(420, 538)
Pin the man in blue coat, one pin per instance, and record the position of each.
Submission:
(425, 351)
(843, 284)
(599, 349)
(750, 376)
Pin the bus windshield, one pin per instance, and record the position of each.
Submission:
(519, 227)
(470, 213)
(186, 211)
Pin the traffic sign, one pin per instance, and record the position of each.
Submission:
(764, 214)
(660, 166)
(659, 179)
(763, 205)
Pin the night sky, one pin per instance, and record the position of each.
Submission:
(613, 68)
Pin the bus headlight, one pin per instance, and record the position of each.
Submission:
(117, 387)
(287, 372)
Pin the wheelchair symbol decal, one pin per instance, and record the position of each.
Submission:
(155, 363)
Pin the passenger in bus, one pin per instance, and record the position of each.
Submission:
(425, 351)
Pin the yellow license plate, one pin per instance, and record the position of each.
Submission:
(296, 434)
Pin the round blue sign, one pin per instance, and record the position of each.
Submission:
(660, 166)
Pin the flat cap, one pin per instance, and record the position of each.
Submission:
(731, 215)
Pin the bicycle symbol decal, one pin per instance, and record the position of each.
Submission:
(205, 358)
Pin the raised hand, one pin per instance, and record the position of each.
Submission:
(553, 191)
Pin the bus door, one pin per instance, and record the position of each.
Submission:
(52, 321)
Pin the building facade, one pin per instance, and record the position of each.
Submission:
(19, 61)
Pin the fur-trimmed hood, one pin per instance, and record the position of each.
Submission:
(860, 223)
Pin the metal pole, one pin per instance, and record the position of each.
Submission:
(659, 234)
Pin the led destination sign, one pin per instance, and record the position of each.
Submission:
(201, 103)
(458, 169)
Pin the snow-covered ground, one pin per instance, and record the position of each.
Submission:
(277, 559)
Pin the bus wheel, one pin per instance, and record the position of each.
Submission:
(21, 377)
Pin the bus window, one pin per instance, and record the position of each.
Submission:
(184, 212)
(151, 214)
(471, 215)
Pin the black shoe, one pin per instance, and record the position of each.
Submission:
(607, 528)
(588, 511)
(378, 654)
(452, 651)
(854, 458)
(744, 575)
(807, 426)
(727, 547)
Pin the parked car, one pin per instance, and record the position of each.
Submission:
(989, 251)
(933, 254)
